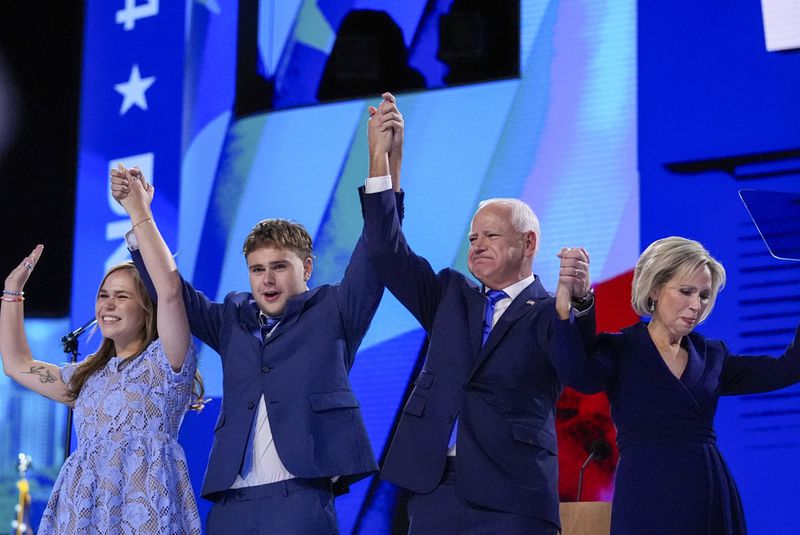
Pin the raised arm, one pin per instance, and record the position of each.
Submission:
(132, 192)
(409, 277)
(754, 374)
(361, 288)
(18, 362)
(380, 137)
(573, 348)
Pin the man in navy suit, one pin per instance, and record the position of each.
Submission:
(476, 441)
(290, 432)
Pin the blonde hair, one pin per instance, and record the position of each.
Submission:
(669, 257)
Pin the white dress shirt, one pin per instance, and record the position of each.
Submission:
(267, 465)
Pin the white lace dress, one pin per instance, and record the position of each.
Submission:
(128, 474)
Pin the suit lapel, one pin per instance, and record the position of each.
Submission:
(475, 307)
(248, 320)
(654, 362)
(695, 369)
(521, 306)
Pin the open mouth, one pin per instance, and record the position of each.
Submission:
(271, 296)
(110, 319)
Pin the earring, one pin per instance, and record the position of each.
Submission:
(652, 306)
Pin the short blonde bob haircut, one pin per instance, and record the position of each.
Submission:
(667, 258)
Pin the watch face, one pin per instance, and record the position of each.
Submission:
(130, 240)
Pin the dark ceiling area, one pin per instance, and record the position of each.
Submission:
(40, 65)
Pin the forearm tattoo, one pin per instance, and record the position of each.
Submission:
(44, 374)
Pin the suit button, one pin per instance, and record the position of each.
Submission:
(265, 369)
(250, 405)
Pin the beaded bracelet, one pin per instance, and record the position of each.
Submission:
(14, 299)
(13, 292)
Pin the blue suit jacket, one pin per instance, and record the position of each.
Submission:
(302, 371)
(504, 393)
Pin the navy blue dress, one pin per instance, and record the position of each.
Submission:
(671, 478)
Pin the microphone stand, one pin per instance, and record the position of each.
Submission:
(599, 450)
(589, 459)
(69, 344)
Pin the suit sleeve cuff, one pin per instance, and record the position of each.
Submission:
(377, 184)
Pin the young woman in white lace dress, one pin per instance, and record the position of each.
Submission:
(128, 474)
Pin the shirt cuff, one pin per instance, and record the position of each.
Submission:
(377, 184)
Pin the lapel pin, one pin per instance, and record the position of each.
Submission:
(530, 302)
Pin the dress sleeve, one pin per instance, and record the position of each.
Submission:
(67, 371)
(754, 374)
(177, 386)
(185, 374)
(586, 371)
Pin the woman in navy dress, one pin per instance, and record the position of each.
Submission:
(663, 382)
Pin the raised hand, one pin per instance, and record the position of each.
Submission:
(18, 362)
(379, 141)
(389, 117)
(573, 278)
(129, 187)
(16, 280)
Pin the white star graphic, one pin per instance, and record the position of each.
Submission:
(133, 90)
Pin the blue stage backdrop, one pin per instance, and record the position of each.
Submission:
(32, 425)
(719, 113)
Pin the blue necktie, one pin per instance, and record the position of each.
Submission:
(269, 323)
(247, 462)
(493, 296)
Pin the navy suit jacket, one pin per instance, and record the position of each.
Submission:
(301, 370)
(503, 393)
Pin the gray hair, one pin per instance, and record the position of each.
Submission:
(523, 219)
(664, 259)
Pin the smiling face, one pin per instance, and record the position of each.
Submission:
(120, 311)
(277, 275)
(499, 255)
(681, 302)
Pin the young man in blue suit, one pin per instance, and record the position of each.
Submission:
(476, 442)
(290, 432)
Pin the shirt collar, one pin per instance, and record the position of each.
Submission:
(262, 318)
(515, 289)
